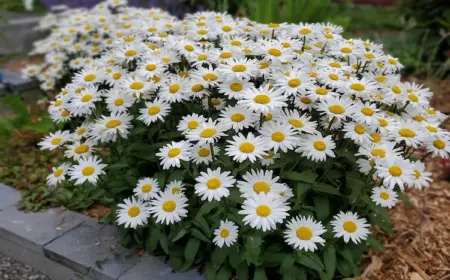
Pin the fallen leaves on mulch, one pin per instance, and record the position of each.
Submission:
(17, 63)
(96, 211)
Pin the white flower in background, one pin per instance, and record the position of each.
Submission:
(202, 154)
(349, 226)
(248, 147)
(395, 171)
(175, 187)
(168, 208)
(278, 136)
(385, 197)
(214, 184)
(58, 174)
(54, 140)
(422, 179)
(87, 169)
(107, 129)
(257, 181)
(316, 147)
(132, 213)
(262, 100)
(146, 188)
(226, 234)
(154, 111)
(303, 233)
(78, 150)
(172, 154)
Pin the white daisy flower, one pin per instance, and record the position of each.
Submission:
(175, 187)
(395, 171)
(213, 184)
(172, 154)
(357, 132)
(202, 154)
(296, 81)
(190, 122)
(146, 188)
(277, 135)
(303, 233)
(384, 197)
(422, 178)
(154, 111)
(438, 146)
(78, 150)
(246, 147)
(365, 165)
(226, 234)
(257, 181)
(168, 208)
(409, 132)
(338, 108)
(174, 90)
(117, 102)
(316, 147)
(106, 129)
(262, 100)
(263, 211)
(207, 132)
(58, 174)
(87, 169)
(132, 213)
(269, 158)
(242, 69)
(350, 227)
(54, 140)
(238, 118)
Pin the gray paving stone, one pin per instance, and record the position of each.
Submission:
(8, 196)
(93, 250)
(153, 268)
(34, 230)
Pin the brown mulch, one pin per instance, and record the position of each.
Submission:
(96, 211)
(16, 64)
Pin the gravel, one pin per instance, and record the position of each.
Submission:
(11, 269)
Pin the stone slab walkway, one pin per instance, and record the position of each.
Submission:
(67, 245)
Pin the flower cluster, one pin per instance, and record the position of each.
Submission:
(265, 120)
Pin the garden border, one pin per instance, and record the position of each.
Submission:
(67, 245)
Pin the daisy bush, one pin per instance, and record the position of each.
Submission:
(255, 150)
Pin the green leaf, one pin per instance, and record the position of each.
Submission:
(302, 189)
(287, 264)
(218, 257)
(329, 258)
(322, 207)
(403, 197)
(164, 242)
(224, 273)
(281, 162)
(344, 268)
(235, 195)
(306, 176)
(152, 242)
(312, 261)
(210, 271)
(253, 248)
(260, 273)
(375, 244)
(207, 207)
(200, 222)
(171, 135)
(242, 271)
(235, 256)
(325, 188)
(191, 248)
(176, 262)
(179, 235)
(197, 233)
(355, 183)
(176, 175)
(161, 178)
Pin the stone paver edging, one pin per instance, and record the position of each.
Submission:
(66, 245)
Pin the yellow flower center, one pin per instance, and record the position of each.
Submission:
(296, 123)
(174, 152)
(305, 100)
(134, 211)
(350, 226)
(165, 59)
(197, 88)
(146, 188)
(274, 52)
(118, 102)
(88, 171)
(369, 55)
(113, 123)
(263, 210)
(81, 131)
(384, 195)
(320, 145)
(321, 91)
(273, 25)
(58, 173)
(380, 79)
(357, 87)
(239, 68)
(375, 137)
(247, 147)
(58, 103)
(210, 77)
(392, 61)
(334, 77)
(278, 136)
(215, 101)
(417, 173)
(268, 117)
(189, 48)
(226, 55)
(335, 64)
(378, 153)
(383, 122)
(286, 44)
(346, 50)
(360, 129)
(304, 233)
(56, 141)
(395, 171)
(90, 77)
(431, 128)
(413, 98)
(224, 233)
(81, 149)
(261, 99)
(208, 132)
(406, 132)
(263, 65)
(294, 83)
(268, 156)
(174, 88)
(237, 117)
(236, 43)
(367, 111)
(150, 67)
(336, 109)
(169, 206)
(86, 98)
(192, 124)
(305, 31)
(236, 87)
(261, 187)
(204, 152)
(153, 110)
(175, 190)
(439, 144)
(396, 89)
(136, 85)
(213, 183)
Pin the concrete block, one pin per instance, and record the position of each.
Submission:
(154, 268)
(93, 250)
(8, 196)
(34, 230)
